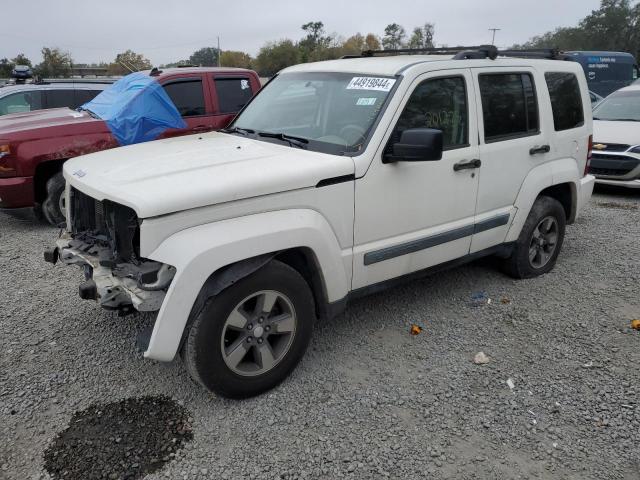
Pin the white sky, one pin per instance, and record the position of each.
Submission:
(166, 31)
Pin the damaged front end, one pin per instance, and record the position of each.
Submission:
(104, 239)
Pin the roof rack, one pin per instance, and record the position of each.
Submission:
(464, 53)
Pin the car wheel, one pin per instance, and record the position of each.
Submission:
(537, 248)
(53, 207)
(249, 337)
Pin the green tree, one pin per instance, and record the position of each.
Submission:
(231, 58)
(394, 35)
(21, 59)
(614, 26)
(354, 45)
(5, 68)
(314, 45)
(127, 62)
(274, 56)
(55, 63)
(422, 37)
(205, 57)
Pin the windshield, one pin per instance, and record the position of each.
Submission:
(325, 112)
(619, 106)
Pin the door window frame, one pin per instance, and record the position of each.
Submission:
(514, 136)
(227, 76)
(197, 78)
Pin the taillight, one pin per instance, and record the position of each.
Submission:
(589, 155)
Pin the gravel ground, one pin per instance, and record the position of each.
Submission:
(558, 399)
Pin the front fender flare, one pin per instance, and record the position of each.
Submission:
(198, 252)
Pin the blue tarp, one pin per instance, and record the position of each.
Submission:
(136, 109)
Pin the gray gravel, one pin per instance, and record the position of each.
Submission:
(369, 400)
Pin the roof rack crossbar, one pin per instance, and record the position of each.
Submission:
(464, 53)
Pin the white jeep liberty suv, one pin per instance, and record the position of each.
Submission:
(337, 179)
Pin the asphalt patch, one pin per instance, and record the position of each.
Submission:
(120, 440)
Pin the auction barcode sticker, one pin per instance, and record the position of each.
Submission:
(371, 83)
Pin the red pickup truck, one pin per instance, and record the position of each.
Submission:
(34, 145)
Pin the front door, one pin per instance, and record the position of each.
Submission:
(413, 215)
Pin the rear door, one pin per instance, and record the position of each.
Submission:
(190, 95)
(512, 142)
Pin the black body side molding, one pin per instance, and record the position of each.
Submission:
(335, 180)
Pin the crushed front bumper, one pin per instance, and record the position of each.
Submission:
(121, 286)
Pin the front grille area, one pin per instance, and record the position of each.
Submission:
(106, 223)
(612, 165)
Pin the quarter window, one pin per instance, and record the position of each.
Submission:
(439, 103)
(187, 96)
(233, 94)
(566, 100)
(509, 106)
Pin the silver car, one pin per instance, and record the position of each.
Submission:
(37, 96)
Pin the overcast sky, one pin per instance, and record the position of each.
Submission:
(167, 31)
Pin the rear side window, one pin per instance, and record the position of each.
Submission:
(566, 101)
(84, 96)
(187, 96)
(439, 103)
(21, 102)
(60, 98)
(509, 106)
(233, 94)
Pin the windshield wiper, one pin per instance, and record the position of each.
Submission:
(299, 142)
(80, 109)
(244, 131)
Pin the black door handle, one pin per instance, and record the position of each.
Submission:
(542, 149)
(475, 163)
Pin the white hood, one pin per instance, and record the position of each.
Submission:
(177, 174)
(626, 133)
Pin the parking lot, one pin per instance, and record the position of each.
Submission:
(558, 399)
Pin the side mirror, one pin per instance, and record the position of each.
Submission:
(417, 145)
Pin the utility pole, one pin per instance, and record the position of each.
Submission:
(493, 38)
(219, 51)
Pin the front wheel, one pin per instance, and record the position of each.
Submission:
(249, 337)
(540, 240)
(54, 208)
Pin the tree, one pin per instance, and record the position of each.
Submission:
(231, 58)
(314, 45)
(21, 59)
(128, 61)
(422, 37)
(55, 63)
(372, 42)
(274, 56)
(614, 26)
(205, 57)
(5, 68)
(393, 36)
(354, 45)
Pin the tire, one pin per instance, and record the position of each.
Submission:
(224, 348)
(534, 241)
(53, 206)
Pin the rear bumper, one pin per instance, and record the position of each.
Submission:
(16, 192)
(586, 184)
(620, 183)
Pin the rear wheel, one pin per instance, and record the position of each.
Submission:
(540, 240)
(53, 207)
(249, 337)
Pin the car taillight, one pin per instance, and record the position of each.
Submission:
(6, 168)
(589, 155)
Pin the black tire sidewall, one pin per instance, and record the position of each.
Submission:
(204, 339)
(543, 207)
(51, 205)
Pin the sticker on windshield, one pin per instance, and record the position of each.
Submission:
(366, 101)
(371, 83)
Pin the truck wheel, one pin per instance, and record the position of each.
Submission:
(540, 240)
(53, 207)
(249, 337)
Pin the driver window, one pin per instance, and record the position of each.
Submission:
(439, 103)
